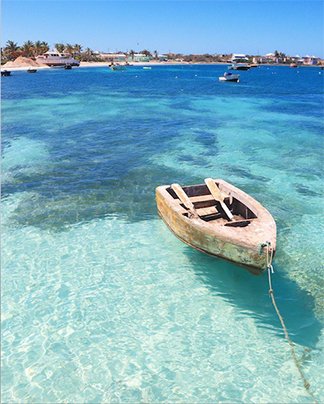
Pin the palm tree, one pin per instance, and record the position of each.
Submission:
(146, 52)
(28, 49)
(38, 48)
(11, 46)
(77, 49)
(69, 48)
(10, 49)
(45, 47)
(86, 56)
(59, 47)
(132, 53)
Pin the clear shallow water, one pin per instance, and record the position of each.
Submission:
(100, 301)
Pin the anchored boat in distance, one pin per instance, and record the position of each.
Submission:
(5, 73)
(54, 58)
(230, 77)
(239, 66)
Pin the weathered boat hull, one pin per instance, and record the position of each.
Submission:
(214, 241)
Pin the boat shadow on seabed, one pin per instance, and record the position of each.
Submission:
(250, 294)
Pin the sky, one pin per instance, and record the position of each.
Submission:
(179, 26)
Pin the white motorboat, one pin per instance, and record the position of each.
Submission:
(53, 58)
(230, 77)
(239, 66)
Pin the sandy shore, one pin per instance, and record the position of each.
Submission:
(24, 67)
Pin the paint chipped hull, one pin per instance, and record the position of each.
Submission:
(241, 245)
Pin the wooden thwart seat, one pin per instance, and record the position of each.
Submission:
(184, 199)
(201, 198)
(188, 202)
(215, 191)
(206, 211)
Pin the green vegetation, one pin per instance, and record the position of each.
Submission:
(28, 49)
(31, 49)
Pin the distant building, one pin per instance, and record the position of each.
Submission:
(297, 59)
(310, 60)
(270, 58)
(139, 57)
(239, 57)
(113, 57)
(163, 58)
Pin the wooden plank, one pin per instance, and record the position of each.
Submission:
(206, 211)
(215, 191)
(201, 198)
(184, 199)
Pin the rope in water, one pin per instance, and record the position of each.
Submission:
(269, 251)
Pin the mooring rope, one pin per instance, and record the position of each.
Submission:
(291, 344)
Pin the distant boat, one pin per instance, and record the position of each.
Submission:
(5, 73)
(67, 67)
(292, 65)
(221, 220)
(253, 65)
(30, 70)
(54, 58)
(117, 67)
(147, 67)
(230, 77)
(239, 66)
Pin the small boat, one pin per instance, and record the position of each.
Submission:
(67, 67)
(5, 73)
(116, 67)
(292, 65)
(230, 77)
(147, 67)
(253, 65)
(221, 220)
(30, 70)
(239, 66)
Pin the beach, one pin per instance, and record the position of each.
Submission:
(24, 66)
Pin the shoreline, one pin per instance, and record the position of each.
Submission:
(140, 64)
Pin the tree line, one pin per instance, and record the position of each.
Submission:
(32, 49)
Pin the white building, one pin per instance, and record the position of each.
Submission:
(311, 60)
(139, 57)
(113, 57)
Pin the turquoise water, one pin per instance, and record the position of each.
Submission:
(100, 302)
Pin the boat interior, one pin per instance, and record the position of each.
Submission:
(210, 210)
